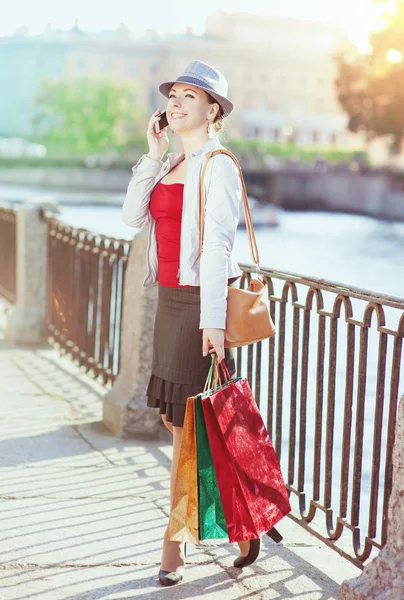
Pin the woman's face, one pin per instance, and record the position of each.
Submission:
(188, 108)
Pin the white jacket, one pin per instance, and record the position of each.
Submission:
(223, 196)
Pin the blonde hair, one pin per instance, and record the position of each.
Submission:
(219, 119)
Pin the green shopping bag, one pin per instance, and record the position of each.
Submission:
(212, 524)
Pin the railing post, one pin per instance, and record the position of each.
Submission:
(26, 320)
(124, 407)
(383, 577)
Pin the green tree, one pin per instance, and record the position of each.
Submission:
(370, 86)
(87, 116)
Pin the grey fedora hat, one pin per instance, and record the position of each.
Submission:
(207, 78)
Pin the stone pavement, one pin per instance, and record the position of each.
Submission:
(82, 513)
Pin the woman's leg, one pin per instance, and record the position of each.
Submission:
(173, 552)
(167, 423)
(177, 439)
(244, 547)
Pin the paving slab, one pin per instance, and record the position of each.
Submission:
(117, 582)
(85, 482)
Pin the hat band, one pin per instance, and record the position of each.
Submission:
(200, 82)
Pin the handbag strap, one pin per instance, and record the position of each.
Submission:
(247, 212)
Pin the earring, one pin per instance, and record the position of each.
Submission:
(208, 127)
(172, 131)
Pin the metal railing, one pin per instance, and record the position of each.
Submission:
(85, 291)
(328, 386)
(8, 251)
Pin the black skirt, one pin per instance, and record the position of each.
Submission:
(179, 370)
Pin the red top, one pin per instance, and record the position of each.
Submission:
(166, 208)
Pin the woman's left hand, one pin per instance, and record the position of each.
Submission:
(216, 339)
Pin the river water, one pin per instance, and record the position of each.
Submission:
(351, 249)
(354, 250)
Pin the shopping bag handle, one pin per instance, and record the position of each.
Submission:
(208, 381)
(214, 374)
(225, 370)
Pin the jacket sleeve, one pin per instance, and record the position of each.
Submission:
(222, 211)
(135, 210)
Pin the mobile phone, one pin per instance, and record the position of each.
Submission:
(162, 124)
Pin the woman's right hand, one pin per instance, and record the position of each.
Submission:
(158, 142)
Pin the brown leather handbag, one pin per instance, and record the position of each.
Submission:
(247, 318)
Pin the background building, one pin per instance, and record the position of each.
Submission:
(283, 78)
(24, 62)
(281, 73)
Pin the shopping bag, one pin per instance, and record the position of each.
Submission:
(212, 524)
(183, 522)
(252, 489)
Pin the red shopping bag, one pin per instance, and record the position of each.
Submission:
(252, 489)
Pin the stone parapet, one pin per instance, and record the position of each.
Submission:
(124, 407)
(383, 577)
(26, 320)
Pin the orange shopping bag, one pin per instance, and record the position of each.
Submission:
(183, 523)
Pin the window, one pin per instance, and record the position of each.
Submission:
(131, 67)
(82, 63)
(107, 65)
(249, 132)
(261, 102)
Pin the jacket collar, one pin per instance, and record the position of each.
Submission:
(176, 157)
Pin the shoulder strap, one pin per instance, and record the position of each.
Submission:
(247, 213)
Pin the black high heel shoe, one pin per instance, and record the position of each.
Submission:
(171, 578)
(255, 547)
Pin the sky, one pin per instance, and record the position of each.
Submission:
(174, 15)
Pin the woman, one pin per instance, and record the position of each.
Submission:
(191, 313)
